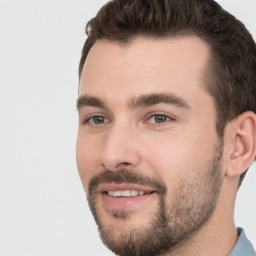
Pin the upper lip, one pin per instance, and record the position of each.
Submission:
(122, 187)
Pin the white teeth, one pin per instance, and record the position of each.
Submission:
(125, 193)
(134, 192)
(116, 193)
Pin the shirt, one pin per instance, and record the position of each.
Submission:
(243, 246)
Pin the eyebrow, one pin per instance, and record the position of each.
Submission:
(142, 101)
(157, 98)
(86, 100)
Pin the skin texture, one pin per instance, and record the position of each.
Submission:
(182, 152)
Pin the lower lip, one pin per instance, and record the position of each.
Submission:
(124, 203)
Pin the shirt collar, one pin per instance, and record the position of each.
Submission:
(243, 246)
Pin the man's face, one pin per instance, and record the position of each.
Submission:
(147, 149)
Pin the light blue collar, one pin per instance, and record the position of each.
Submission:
(243, 246)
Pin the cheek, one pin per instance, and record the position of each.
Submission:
(181, 156)
(87, 158)
(171, 162)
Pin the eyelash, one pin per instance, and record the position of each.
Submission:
(165, 117)
(87, 120)
(161, 118)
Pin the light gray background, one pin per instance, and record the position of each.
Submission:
(43, 209)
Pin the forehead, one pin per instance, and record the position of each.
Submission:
(145, 64)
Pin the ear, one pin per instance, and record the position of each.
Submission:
(242, 149)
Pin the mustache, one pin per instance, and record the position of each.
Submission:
(127, 176)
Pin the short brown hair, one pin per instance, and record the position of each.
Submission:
(231, 74)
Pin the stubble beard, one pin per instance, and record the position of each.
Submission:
(170, 226)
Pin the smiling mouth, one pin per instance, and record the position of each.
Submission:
(124, 190)
(127, 193)
(125, 197)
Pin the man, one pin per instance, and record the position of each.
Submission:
(167, 126)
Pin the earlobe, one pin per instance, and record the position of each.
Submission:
(244, 144)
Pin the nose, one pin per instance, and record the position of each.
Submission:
(120, 149)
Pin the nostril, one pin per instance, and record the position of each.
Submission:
(123, 164)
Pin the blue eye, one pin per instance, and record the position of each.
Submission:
(159, 119)
(97, 120)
